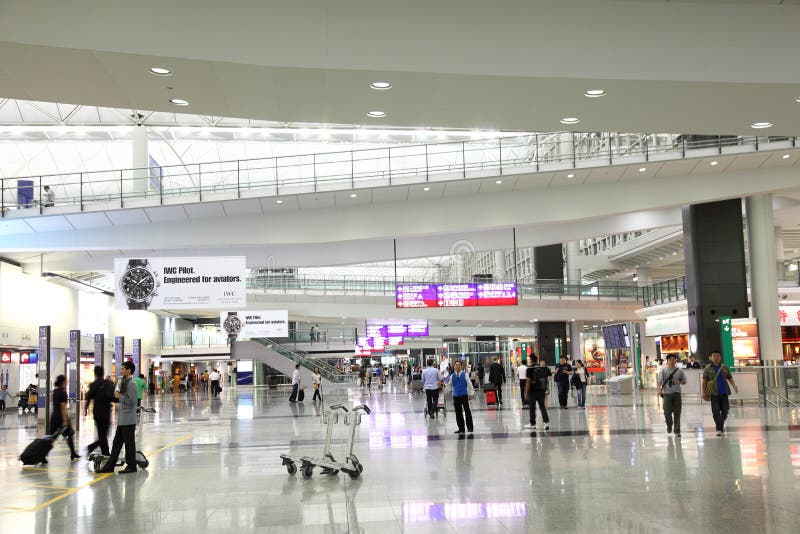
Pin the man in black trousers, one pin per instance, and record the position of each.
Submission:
(101, 394)
(497, 376)
(127, 394)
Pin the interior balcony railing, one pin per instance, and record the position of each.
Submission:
(671, 290)
(386, 286)
(355, 169)
(297, 338)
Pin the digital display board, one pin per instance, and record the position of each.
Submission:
(616, 336)
(456, 295)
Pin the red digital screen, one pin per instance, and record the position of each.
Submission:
(456, 295)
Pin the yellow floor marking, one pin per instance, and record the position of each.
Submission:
(95, 480)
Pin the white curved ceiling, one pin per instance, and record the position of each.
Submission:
(511, 64)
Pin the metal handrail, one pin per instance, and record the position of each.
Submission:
(326, 370)
(363, 168)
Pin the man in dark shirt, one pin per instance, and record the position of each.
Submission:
(536, 386)
(563, 372)
(101, 393)
(497, 376)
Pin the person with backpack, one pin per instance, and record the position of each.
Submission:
(522, 371)
(670, 380)
(100, 396)
(715, 388)
(536, 387)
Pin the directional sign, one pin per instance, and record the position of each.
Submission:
(726, 340)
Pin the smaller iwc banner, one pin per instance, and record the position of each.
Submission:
(249, 324)
(179, 283)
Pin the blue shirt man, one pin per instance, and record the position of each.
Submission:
(459, 381)
(430, 377)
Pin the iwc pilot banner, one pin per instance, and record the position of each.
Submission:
(180, 283)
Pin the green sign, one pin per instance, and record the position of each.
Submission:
(726, 340)
(558, 349)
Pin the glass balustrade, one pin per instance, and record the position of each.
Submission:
(376, 167)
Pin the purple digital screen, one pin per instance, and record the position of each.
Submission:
(416, 296)
(457, 295)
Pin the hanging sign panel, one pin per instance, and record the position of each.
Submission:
(456, 295)
(180, 283)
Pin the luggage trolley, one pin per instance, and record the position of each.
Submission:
(330, 466)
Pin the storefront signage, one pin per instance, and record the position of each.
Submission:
(789, 315)
(666, 326)
(254, 324)
(456, 295)
(180, 283)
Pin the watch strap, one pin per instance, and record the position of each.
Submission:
(137, 263)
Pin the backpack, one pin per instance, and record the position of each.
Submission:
(539, 382)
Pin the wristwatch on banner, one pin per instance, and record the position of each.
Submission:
(232, 325)
(139, 284)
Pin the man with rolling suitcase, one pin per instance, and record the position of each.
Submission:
(101, 395)
(497, 376)
(127, 394)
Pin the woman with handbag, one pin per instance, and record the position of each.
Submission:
(316, 383)
(462, 392)
(580, 379)
(59, 421)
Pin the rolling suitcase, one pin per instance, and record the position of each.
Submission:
(36, 452)
(301, 395)
(490, 390)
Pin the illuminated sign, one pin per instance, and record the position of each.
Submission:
(5, 357)
(456, 295)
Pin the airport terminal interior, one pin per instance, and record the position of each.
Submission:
(355, 267)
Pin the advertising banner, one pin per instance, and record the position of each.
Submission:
(180, 283)
(254, 324)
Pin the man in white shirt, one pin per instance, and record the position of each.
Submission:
(522, 375)
(295, 383)
(213, 377)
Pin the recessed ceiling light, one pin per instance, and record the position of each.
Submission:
(594, 93)
(642, 169)
(498, 182)
(570, 176)
(179, 101)
(714, 163)
(353, 195)
(376, 114)
(279, 202)
(380, 86)
(785, 156)
(531, 321)
(760, 125)
(570, 120)
(160, 71)
(426, 188)
(797, 99)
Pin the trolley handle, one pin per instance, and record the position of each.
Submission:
(338, 407)
(364, 408)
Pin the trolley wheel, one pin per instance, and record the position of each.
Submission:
(354, 473)
(291, 469)
(359, 467)
(307, 471)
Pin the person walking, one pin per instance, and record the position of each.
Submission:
(497, 376)
(669, 381)
(714, 388)
(462, 391)
(49, 199)
(3, 397)
(522, 373)
(295, 383)
(141, 385)
(362, 376)
(213, 377)
(481, 374)
(59, 420)
(316, 383)
(580, 379)
(430, 383)
(100, 396)
(563, 373)
(536, 388)
(126, 394)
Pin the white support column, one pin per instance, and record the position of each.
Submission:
(763, 280)
(576, 340)
(573, 252)
(644, 276)
(779, 255)
(500, 265)
(140, 160)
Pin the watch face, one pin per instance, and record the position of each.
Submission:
(232, 324)
(138, 283)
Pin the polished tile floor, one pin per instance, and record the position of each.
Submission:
(215, 467)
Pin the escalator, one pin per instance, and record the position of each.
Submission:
(284, 359)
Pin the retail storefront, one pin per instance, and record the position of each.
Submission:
(17, 370)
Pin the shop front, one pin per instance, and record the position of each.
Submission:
(17, 371)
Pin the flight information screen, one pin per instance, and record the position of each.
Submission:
(456, 295)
